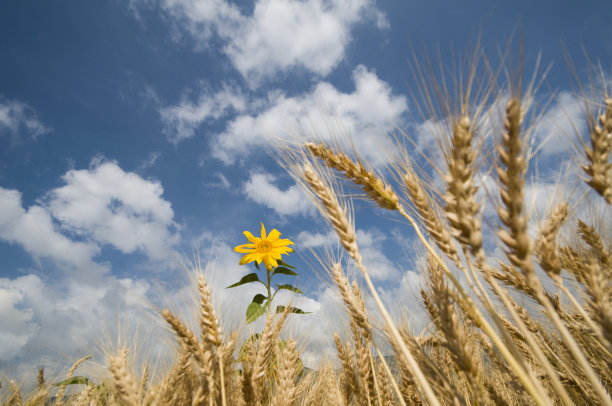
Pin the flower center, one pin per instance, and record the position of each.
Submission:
(264, 246)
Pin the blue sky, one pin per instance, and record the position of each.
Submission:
(130, 130)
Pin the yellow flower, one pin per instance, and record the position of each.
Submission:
(267, 248)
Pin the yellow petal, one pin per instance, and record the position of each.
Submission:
(284, 241)
(250, 258)
(251, 238)
(263, 232)
(245, 248)
(270, 262)
(273, 236)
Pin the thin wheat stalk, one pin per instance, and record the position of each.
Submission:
(344, 354)
(59, 397)
(339, 225)
(396, 388)
(511, 180)
(535, 350)
(530, 384)
(337, 216)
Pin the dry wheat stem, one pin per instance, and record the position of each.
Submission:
(396, 388)
(535, 349)
(572, 346)
(59, 397)
(526, 380)
(343, 163)
(339, 220)
(596, 329)
(376, 388)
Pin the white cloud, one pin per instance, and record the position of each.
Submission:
(286, 34)
(368, 115)
(279, 35)
(35, 231)
(17, 119)
(309, 240)
(370, 243)
(290, 202)
(371, 246)
(560, 124)
(182, 120)
(110, 206)
(54, 323)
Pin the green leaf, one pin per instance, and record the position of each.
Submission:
(256, 265)
(259, 298)
(280, 309)
(252, 277)
(252, 340)
(289, 287)
(75, 380)
(283, 263)
(254, 311)
(284, 271)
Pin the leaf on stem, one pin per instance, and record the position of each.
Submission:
(284, 271)
(289, 287)
(254, 311)
(252, 277)
(280, 309)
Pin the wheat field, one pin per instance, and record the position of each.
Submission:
(519, 308)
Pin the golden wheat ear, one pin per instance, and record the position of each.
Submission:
(599, 168)
(124, 384)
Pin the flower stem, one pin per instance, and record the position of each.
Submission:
(269, 301)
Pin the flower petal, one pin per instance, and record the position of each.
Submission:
(245, 248)
(251, 238)
(263, 232)
(273, 236)
(280, 243)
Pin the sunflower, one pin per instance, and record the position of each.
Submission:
(267, 248)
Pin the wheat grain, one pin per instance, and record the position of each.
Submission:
(599, 167)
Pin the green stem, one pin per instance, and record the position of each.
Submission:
(270, 297)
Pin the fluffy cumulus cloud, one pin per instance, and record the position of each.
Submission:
(371, 244)
(181, 121)
(279, 34)
(18, 120)
(261, 188)
(557, 128)
(112, 207)
(68, 309)
(43, 319)
(368, 114)
(286, 34)
(34, 230)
